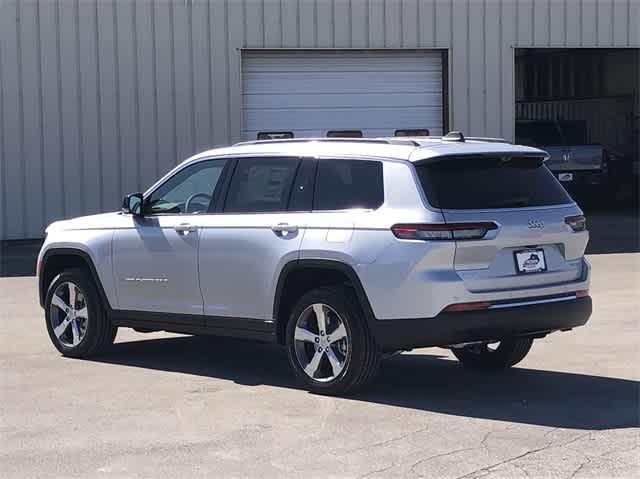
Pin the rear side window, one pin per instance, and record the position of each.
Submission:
(486, 183)
(261, 184)
(347, 184)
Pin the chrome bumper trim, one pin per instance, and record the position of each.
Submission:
(536, 301)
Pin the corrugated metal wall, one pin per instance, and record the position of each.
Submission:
(98, 97)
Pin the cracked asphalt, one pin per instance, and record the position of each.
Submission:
(178, 406)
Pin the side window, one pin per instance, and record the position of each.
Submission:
(347, 184)
(187, 192)
(261, 185)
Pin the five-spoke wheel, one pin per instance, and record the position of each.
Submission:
(68, 314)
(76, 320)
(321, 342)
(330, 346)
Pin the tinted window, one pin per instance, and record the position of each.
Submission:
(485, 183)
(261, 184)
(301, 198)
(574, 132)
(542, 133)
(188, 191)
(274, 135)
(346, 184)
(344, 134)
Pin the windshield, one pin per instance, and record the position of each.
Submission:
(539, 133)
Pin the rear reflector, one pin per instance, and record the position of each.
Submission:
(577, 223)
(443, 231)
(477, 306)
(583, 293)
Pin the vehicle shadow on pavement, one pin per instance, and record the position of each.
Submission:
(428, 382)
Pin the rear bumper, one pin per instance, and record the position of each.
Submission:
(461, 327)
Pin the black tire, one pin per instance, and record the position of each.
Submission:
(481, 357)
(99, 333)
(363, 360)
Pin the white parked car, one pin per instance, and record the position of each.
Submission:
(340, 249)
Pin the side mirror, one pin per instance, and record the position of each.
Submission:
(132, 204)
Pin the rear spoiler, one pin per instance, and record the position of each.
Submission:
(506, 155)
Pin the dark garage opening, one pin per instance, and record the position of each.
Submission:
(583, 107)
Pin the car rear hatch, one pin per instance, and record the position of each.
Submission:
(530, 236)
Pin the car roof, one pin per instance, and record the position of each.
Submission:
(412, 149)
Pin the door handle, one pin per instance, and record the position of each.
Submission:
(185, 228)
(283, 229)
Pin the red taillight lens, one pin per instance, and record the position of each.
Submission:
(583, 293)
(38, 268)
(443, 231)
(577, 223)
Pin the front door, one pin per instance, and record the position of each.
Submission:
(156, 257)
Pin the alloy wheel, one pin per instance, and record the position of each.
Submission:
(68, 314)
(322, 343)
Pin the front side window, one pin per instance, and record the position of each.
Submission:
(348, 184)
(187, 192)
(261, 185)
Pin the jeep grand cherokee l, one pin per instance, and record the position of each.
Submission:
(341, 250)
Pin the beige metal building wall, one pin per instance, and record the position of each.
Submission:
(98, 97)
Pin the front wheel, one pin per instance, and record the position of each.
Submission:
(330, 347)
(493, 356)
(76, 320)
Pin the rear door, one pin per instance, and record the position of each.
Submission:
(532, 245)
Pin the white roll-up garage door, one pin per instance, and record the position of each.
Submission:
(311, 93)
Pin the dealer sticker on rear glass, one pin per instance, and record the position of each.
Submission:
(530, 261)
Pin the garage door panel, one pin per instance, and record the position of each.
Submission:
(383, 82)
(320, 133)
(310, 93)
(343, 61)
(326, 118)
(344, 100)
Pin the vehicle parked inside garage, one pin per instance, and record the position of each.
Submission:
(340, 249)
(582, 167)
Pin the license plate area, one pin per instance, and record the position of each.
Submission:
(530, 261)
(565, 177)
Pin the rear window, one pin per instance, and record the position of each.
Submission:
(346, 184)
(485, 183)
(543, 133)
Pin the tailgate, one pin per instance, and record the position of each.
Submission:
(528, 205)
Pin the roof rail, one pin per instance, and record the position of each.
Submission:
(487, 139)
(381, 141)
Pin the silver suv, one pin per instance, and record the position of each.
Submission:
(342, 250)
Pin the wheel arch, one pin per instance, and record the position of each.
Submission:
(300, 276)
(56, 260)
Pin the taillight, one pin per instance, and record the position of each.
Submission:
(577, 223)
(582, 293)
(443, 231)
(38, 268)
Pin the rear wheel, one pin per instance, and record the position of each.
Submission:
(330, 347)
(76, 320)
(494, 356)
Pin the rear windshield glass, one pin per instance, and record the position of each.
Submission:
(485, 183)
